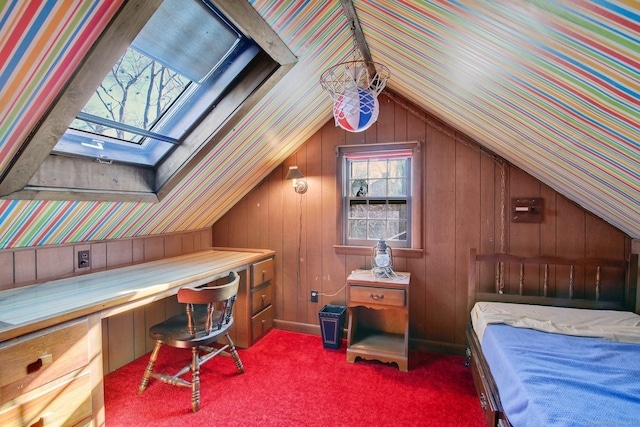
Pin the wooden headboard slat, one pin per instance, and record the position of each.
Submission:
(629, 297)
(547, 259)
(598, 283)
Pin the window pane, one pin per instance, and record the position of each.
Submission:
(378, 169)
(397, 230)
(377, 229)
(378, 209)
(359, 188)
(397, 209)
(378, 188)
(397, 187)
(358, 229)
(397, 168)
(137, 92)
(359, 169)
(358, 209)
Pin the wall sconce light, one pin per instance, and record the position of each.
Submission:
(299, 184)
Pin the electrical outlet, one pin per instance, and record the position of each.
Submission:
(314, 296)
(84, 259)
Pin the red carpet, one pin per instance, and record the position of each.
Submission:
(292, 380)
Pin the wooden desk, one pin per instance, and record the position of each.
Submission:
(51, 333)
(378, 318)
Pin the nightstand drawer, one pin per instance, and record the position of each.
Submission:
(261, 298)
(262, 272)
(36, 359)
(375, 295)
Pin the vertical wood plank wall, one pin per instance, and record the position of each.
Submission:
(464, 196)
(124, 336)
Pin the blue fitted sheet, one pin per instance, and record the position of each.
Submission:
(547, 379)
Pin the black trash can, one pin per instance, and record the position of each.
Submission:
(331, 325)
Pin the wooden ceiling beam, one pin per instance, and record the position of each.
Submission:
(350, 13)
(352, 17)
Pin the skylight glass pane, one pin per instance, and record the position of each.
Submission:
(137, 92)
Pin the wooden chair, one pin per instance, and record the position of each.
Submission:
(207, 319)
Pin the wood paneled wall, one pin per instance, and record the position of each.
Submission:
(25, 266)
(466, 203)
(124, 336)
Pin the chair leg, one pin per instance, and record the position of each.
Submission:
(149, 369)
(195, 379)
(234, 353)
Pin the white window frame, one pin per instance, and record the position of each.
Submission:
(415, 199)
(364, 197)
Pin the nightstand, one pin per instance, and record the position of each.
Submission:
(378, 318)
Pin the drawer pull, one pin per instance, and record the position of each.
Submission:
(264, 274)
(45, 420)
(45, 360)
(376, 296)
(483, 401)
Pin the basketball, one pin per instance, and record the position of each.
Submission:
(355, 109)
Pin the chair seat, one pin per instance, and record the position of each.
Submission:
(173, 332)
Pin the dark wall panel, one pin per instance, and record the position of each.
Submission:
(466, 202)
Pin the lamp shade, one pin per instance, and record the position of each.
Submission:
(299, 184)
(294, 173)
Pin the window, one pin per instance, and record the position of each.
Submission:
(176, 69)
(381, 194)
(377, 198)
(158, 111)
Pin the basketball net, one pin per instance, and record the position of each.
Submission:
(354, 87)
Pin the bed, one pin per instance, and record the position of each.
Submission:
(554, 341)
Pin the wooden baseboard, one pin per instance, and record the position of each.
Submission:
(414, 344)
(305, 328)
(437, 347)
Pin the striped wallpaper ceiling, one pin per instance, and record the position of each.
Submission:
(551, 86)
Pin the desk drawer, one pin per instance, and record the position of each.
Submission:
(261, 298)
(261, 323)
(36, 359)
(67, 403)
(262, 272)
(375, 295)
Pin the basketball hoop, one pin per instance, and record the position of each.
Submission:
(354, 87)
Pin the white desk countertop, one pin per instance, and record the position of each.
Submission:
(30, 308)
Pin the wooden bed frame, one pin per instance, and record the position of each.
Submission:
(595, 283)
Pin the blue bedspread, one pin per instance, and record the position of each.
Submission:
(547, 379)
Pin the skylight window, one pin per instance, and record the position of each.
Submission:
(181, 63)
(135, 130)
